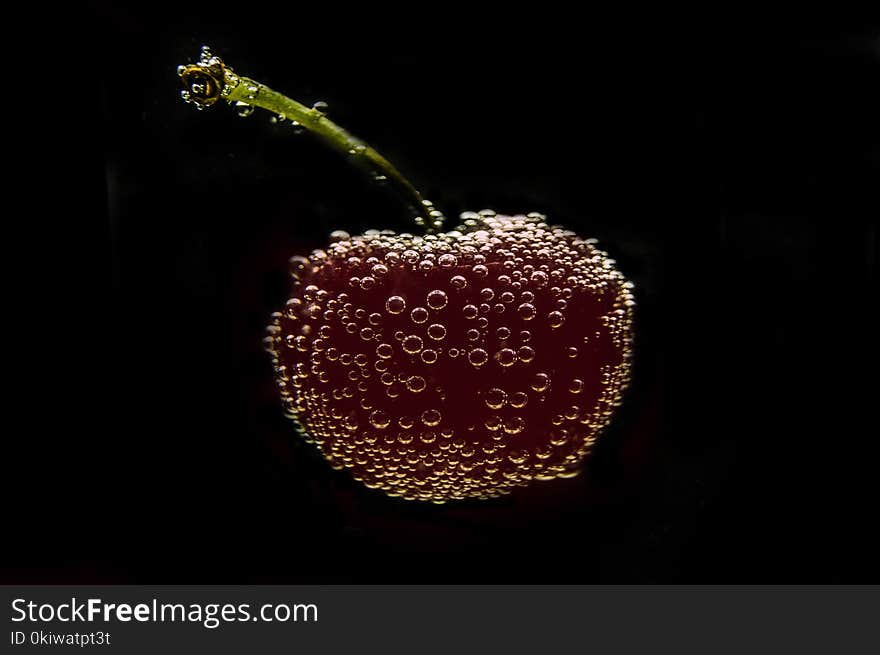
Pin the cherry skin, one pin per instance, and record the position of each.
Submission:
(457, 365)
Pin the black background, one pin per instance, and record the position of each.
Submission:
(731, 169)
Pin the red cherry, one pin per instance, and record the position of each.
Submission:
(450, 366)
(456, 365)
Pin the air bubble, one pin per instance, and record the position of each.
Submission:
(437, 299)
(495, 398)
(525, 354)
(447, 260)
(384, 350)
(540, 382)
(526, 311)
(436, 331)
(395, 305)
(379, 419)
(419, 315)
(514, 424)
(416, 384)
(556, 319)
(412, 344)
(478, 357)
(518, 399)
(458, 282)
(506, 357)
(539, 279)
(559, 436)
(431, 417)
(244, 109)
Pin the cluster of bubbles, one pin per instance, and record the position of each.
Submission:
(456, 365)
(208, 80)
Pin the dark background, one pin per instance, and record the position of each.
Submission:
(731, 170)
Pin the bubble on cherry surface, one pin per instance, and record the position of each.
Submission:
(526, 311)
(412, 344)
(495, 398)
(395, 305)
(419, 315)
(431, 417)
(518, 399)
(506, 357)
(379, 419)
(437, 299)
(447, 260)
(458, 282)
(416, 384)
(478, 357)
(540, 382)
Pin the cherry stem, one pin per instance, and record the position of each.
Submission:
(210, 80)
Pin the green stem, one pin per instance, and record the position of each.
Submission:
(211, 80)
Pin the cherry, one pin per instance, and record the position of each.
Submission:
(458, 364)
